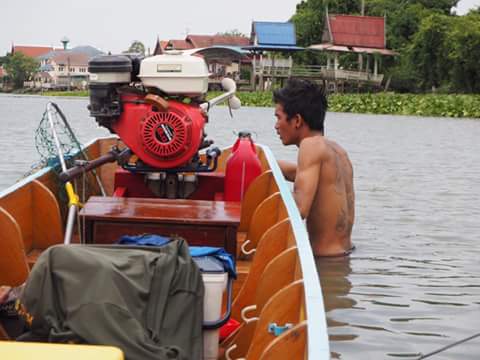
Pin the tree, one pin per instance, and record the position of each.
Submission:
(428, 51)
(464, 51)
(136, 47)
(20, 68)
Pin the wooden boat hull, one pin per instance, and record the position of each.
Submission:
(279, 277)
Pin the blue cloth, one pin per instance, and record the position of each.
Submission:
(195, 251)
(145, 240)
(218, 253)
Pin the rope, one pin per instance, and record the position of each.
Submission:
(448, 346)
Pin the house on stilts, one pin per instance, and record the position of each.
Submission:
(362, 35)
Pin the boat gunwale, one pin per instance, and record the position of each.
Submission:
(317, 335)
(45, 170)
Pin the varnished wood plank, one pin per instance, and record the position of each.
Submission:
(273, 242)
(242, 340)
(279, 272)
(260, 188)
(19, 206)
(158, 210)
(13, 262)
(284, 307)
(291, 344)
(269, 212)
(47, 223)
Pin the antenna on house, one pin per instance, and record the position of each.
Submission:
(65, 42)
(363, 8)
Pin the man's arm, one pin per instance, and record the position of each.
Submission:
(289, 169)
(307, 175)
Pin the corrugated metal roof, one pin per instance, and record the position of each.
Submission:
(202, 41)
(361, 31)
(273, 48)
(274, 33)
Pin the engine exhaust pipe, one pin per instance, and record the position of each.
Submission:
(230, 87)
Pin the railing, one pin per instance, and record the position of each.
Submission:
(320, 72)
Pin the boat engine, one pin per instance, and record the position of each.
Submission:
(157, 107)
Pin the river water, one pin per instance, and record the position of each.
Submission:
(413, 283)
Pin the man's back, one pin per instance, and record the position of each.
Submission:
(323, 175)
(331, 215)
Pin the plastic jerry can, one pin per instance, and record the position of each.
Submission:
(242, 167)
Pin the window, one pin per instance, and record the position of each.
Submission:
(60, 68)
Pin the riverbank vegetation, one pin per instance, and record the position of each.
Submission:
(441, 105)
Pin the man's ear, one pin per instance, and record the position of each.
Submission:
(298, 121)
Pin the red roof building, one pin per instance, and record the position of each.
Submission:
(349, 33)
(200, 41)
(31, 51)
(160, 47)
(178, 45)
(363, 35)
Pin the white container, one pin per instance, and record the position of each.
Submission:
(175, 73)
(215, 284)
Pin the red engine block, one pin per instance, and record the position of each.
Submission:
(161, 139)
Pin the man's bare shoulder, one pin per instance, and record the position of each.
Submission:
(314, 147)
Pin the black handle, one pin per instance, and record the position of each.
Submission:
(211, 325)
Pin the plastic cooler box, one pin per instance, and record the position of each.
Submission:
(215, 280)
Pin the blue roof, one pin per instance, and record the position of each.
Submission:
(275, 33)
(273, 48)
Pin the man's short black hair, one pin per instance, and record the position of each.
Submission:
(305, 98)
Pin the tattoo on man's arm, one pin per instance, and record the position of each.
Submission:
(341, 224)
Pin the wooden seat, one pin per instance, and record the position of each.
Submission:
(285, 307)
(30, 222)
(260, 188)
(275, 240)
(279, 273)
(271, 211)
(290, 345)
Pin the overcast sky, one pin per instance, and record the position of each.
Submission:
(112, 25)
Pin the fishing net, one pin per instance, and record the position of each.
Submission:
(86, 185)
(45, 141)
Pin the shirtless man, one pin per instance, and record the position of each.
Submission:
(323, 175)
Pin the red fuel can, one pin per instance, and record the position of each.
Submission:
(243, 166)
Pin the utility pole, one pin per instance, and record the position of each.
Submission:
(68, 73)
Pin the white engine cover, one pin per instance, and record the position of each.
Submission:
(175, 73)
